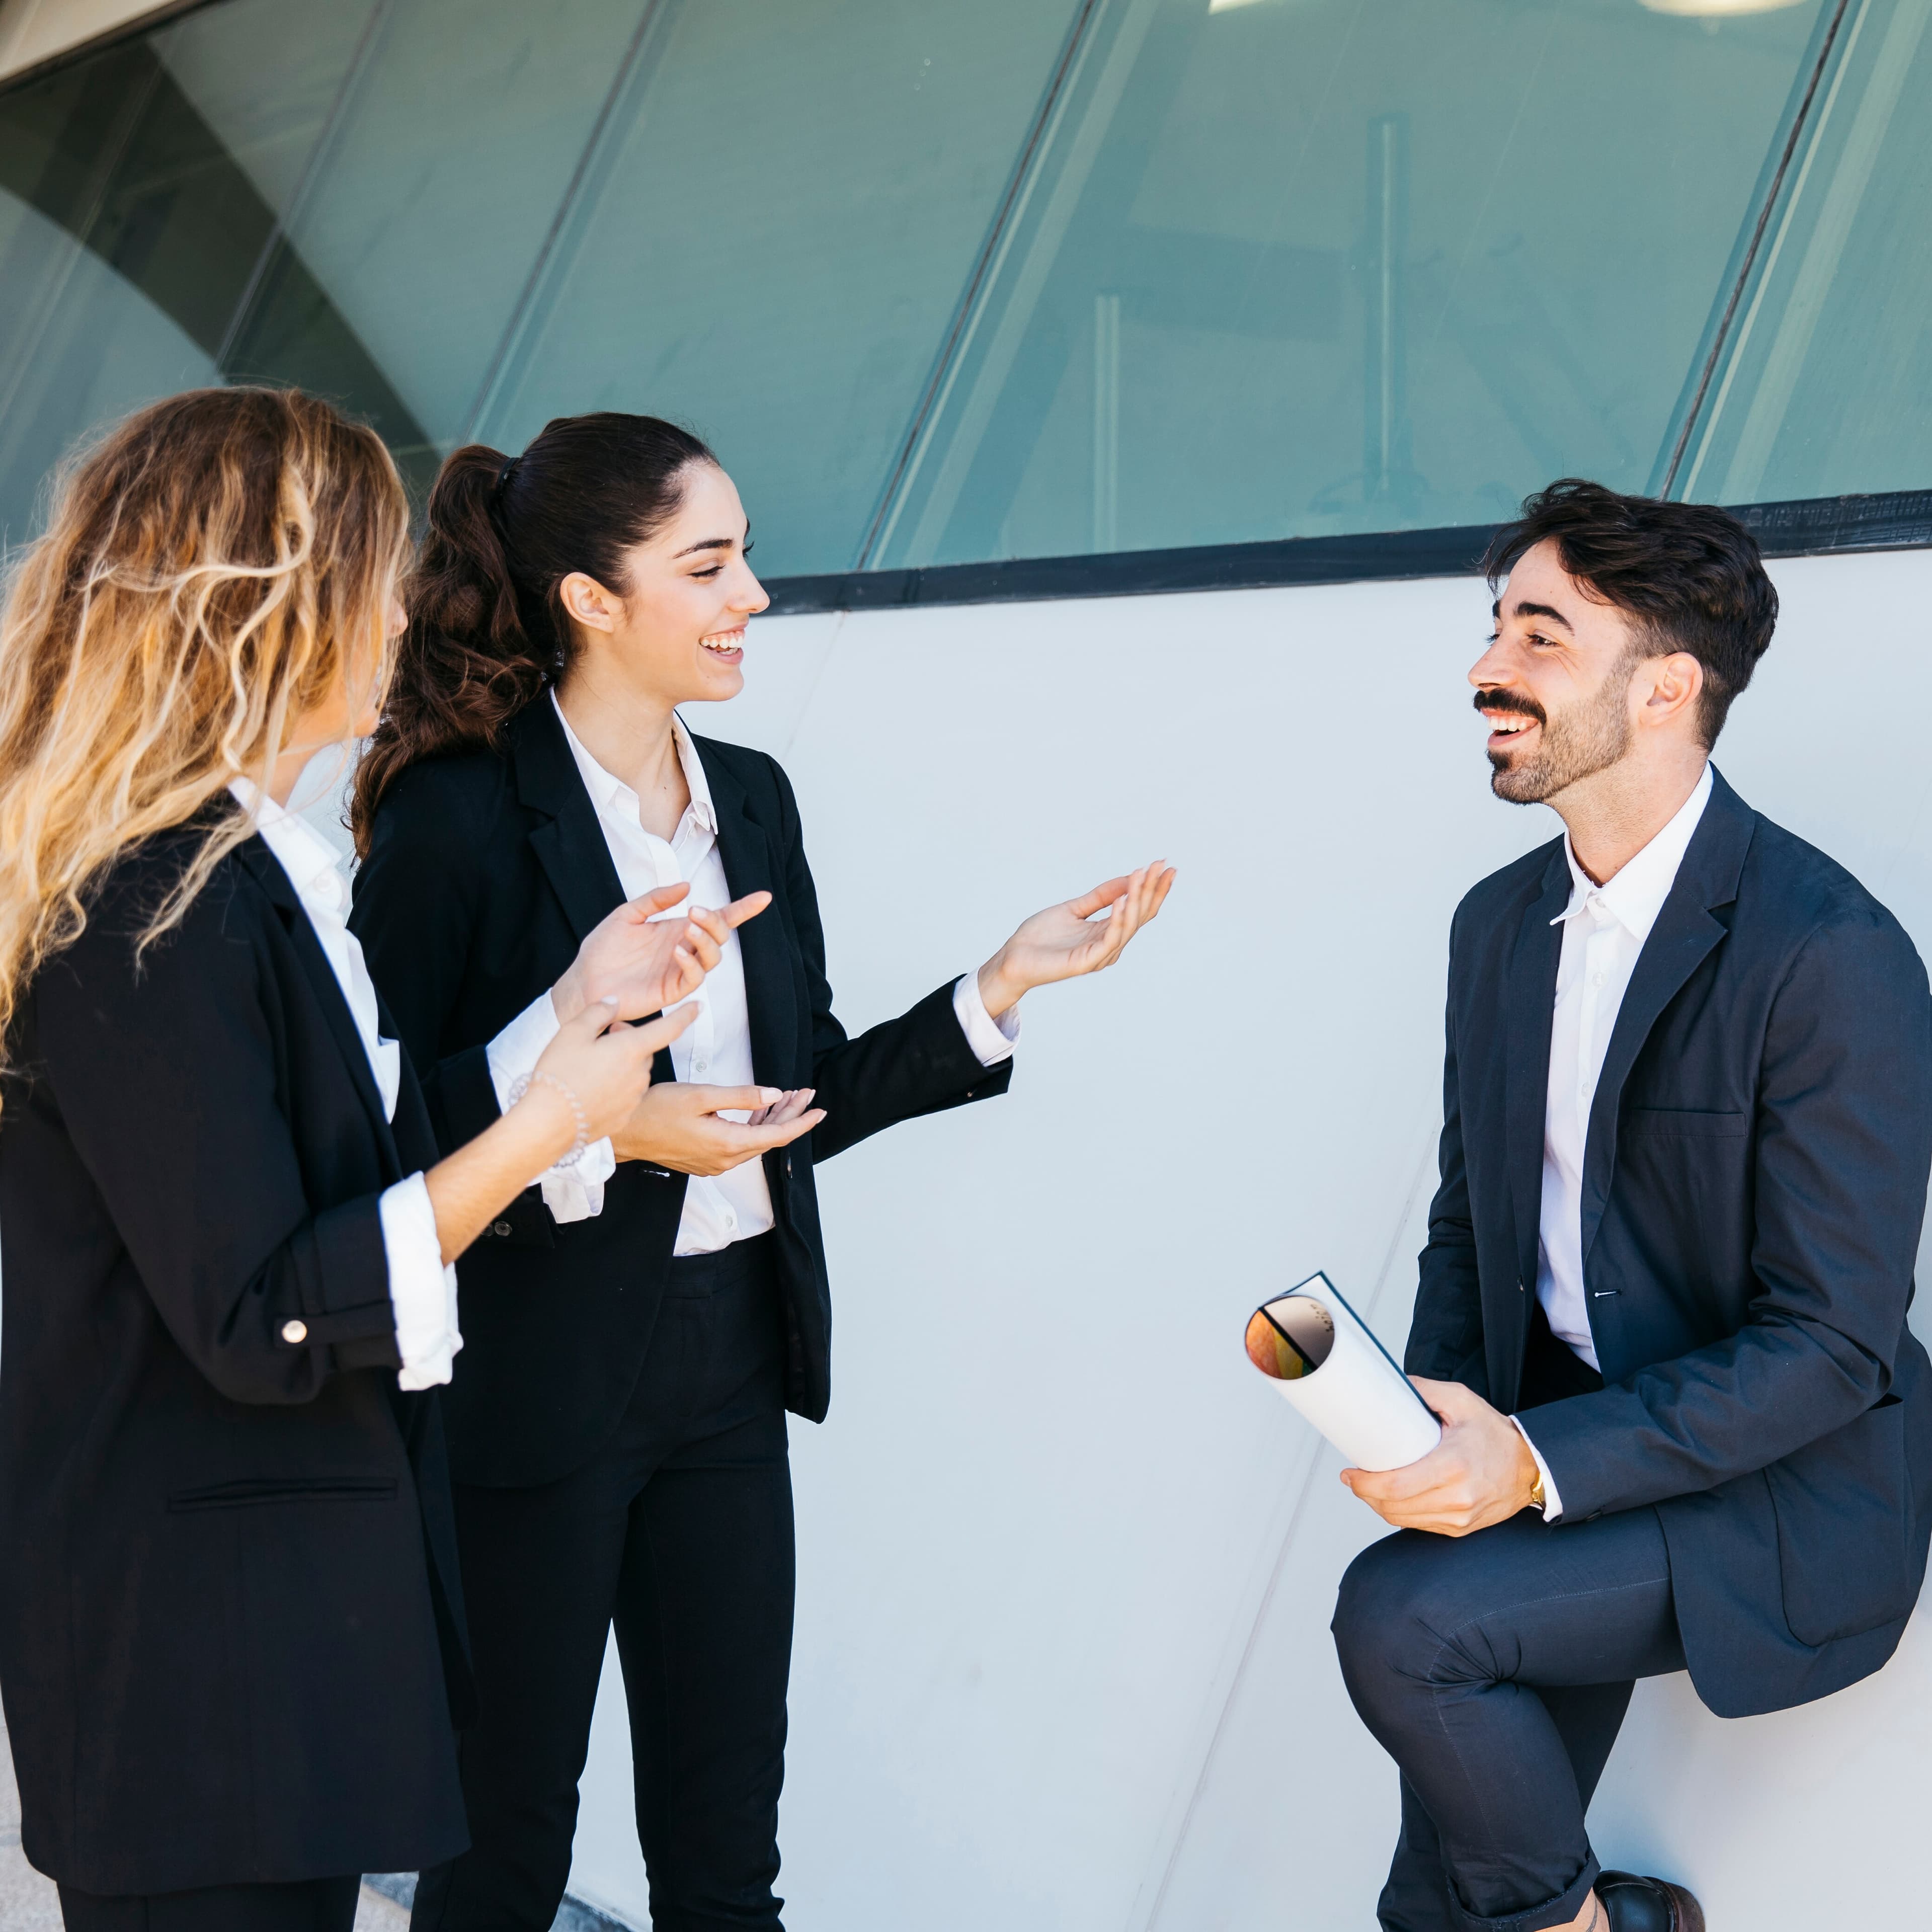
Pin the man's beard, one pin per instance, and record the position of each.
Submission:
(1587, 738)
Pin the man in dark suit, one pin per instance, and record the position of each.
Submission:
(1662, 1313)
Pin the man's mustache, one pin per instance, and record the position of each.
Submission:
(1517, 704)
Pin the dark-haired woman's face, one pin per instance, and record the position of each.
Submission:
(675, 629)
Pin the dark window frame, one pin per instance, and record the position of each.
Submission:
(1809, 527)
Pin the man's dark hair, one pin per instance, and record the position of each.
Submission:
(1689, 573)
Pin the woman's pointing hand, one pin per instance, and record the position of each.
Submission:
(647, 963)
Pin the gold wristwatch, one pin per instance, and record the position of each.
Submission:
(1538, 1501)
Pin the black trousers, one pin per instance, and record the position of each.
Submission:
(679, 1530)
(320, 1905)
(1495, 1669)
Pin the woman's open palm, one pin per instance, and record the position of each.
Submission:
(1066, 940)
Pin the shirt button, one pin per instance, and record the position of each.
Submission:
(294, 1332)
(500, 1228)
(700, 1066)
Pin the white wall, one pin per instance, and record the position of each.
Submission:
(1065, 1562)
(32, 30)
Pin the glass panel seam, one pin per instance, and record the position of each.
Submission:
(283, 228)
(1799, 122)
(566, 207)
(989, 249)
(1843, 194)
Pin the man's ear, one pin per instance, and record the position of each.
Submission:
(587, 602)
(1676, 683)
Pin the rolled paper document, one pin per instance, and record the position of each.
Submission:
(1326, 1363)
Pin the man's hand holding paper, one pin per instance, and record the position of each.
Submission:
(1481, 1473)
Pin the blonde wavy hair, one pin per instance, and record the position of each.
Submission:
(213, 568)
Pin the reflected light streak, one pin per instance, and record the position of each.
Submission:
(1700, 9)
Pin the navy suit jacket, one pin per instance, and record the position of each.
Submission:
(1754, 1180)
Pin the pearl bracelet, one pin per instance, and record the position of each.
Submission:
(520, 1086)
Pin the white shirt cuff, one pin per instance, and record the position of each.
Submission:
(991, 1039)
(422, 1292)
(571, 1193)
(1552, 1503)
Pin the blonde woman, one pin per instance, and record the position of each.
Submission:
(231, 1629)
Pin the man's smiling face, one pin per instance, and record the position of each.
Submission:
(1555, 683)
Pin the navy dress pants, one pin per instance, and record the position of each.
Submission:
(680, 1531)
(1495, 1669)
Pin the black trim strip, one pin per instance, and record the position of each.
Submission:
(1811, 527)
(1820, 526)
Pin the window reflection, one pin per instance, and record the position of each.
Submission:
(143, 190)
(1306, 266)
(1030, 277)
(773, 241)
(1825, 384)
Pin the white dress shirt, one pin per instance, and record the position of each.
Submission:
(422, 1292)
(1604, 928)
(715, 1049)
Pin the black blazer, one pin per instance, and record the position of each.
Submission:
(1754, 1180)
(219, 1635)
(485, 871)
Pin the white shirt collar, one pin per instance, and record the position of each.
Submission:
(611, 795)
(1635, 895)
(314, 867)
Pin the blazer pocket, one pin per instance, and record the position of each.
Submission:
(252, 1492)
(1687, 1122)
(1846, 1542)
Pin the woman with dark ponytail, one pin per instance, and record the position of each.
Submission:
(635, 1330)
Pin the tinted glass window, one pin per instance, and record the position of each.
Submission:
(138, 191)
(774, 241)
(1030, 277)
(1294, 267)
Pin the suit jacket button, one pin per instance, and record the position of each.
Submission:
(294, 1332)
(501, 1227)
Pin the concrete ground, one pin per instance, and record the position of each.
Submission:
(28, 1902)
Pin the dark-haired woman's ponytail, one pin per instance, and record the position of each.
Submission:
(486, 629)
(468, 663)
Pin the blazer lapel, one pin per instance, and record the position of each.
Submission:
(769, 994)
(570, 844)
(269, 873)
(1528, 1013)
(1684, 936)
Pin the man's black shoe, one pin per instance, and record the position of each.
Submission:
(1634, 1904)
